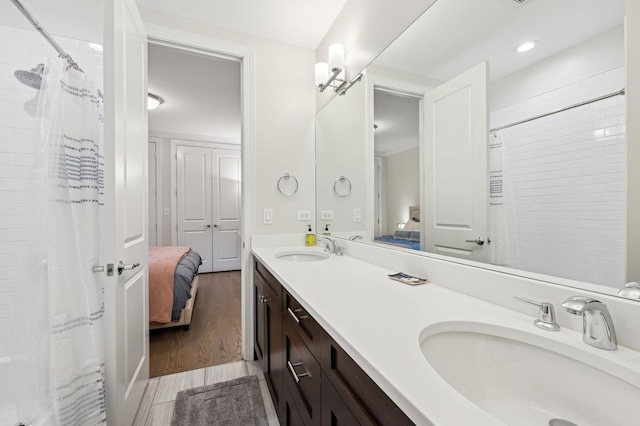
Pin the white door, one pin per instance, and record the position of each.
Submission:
(153, 196)
(193, 200)
(455, 161)
(226, 210)
(124, 223)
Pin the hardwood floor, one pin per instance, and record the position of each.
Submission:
(215, 334)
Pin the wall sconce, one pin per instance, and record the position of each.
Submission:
(334, 73)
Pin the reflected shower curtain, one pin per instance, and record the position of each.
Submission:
(60, 347)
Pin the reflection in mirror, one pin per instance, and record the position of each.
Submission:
(546, 195)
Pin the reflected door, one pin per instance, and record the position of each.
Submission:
(226, 210)
(455, 161)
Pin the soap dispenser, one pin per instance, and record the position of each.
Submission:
(310, 238)
(326, 230)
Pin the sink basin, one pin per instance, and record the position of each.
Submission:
(523, 378)
(302, 256)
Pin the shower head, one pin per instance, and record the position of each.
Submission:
(31, 78)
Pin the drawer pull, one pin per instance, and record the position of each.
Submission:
(296, 376)
(295, 317)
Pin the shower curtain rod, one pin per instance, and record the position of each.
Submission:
(590, 101)
(64, 55)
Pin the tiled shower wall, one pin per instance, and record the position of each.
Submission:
(568, 176)
(21, 50)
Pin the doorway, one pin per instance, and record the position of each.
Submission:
(197, 132)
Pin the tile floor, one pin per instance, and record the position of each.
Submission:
(156, 407)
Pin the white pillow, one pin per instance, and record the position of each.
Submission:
(411, 225)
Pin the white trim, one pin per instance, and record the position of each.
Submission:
(246, 55)
(373, 81)
(159, 189)
(191, 137)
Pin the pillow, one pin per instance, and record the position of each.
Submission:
(401, 234)
(411, 225)
(414, 236)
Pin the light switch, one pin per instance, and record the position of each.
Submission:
(268, 216)
(357, 215)
(167, 212)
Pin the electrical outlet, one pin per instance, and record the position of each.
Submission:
(167, 212)
(304, 215)
(357, 215)
(326, 215)
(268, 216)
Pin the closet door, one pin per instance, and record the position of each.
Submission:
(193, 196)
(226, 210)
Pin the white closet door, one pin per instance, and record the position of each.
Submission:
(455, 159)
(124, 222)
(153, 196)
(226, 210)
(193, 196)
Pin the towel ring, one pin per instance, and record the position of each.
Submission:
(282, 183)
(342, 186)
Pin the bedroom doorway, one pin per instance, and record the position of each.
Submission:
(197, 131)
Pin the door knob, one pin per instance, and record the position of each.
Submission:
(122, 267)
(479, 241)
(207, 226)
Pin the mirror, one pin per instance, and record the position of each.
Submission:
(546, 196)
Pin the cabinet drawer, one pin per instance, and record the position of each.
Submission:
(369, 404)
(335, 411)
(269, 279)
(302, 377)
(304, 324)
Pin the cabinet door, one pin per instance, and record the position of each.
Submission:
(260, 343)
(303, 377)
(335, 411)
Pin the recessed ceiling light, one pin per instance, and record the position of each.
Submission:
(526, 46)
(96, 46)
(153, 101)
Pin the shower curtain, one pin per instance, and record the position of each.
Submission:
(60, 345)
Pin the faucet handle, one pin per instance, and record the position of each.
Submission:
(577, 304)
(546, 315)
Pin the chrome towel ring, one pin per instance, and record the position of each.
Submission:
(287, 184)
(342, 186)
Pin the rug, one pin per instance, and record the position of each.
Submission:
(237, 402)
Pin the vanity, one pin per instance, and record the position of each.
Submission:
(341, 343)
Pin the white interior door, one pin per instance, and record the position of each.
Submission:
(193, 201)
(455, 160)
(124, 223)
(153, 196)
(226, 210)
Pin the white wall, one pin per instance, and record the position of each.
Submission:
(284, 120)
(633, 138)
(342, 151)
(21, 50)
(402, 187)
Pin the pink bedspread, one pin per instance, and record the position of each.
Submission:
(162, 267)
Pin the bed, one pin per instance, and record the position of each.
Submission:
(408, 236)
(173, 285)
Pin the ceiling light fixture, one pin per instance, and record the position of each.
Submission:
(334, 73)
(153, 101)
(526, 46)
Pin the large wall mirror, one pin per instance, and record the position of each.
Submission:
(467, 142)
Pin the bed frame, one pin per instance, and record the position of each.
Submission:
(187, 311)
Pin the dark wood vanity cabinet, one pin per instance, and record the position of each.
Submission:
(312, 381)
(268, 343)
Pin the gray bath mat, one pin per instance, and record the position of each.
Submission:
(236, 402)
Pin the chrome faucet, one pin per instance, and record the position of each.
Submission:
(597, 324)
(329, 244)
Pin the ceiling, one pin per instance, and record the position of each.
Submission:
(454, 35)
(398, 121)
(295, 22)
(201, 93)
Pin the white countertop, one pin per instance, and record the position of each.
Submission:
(378, 322)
